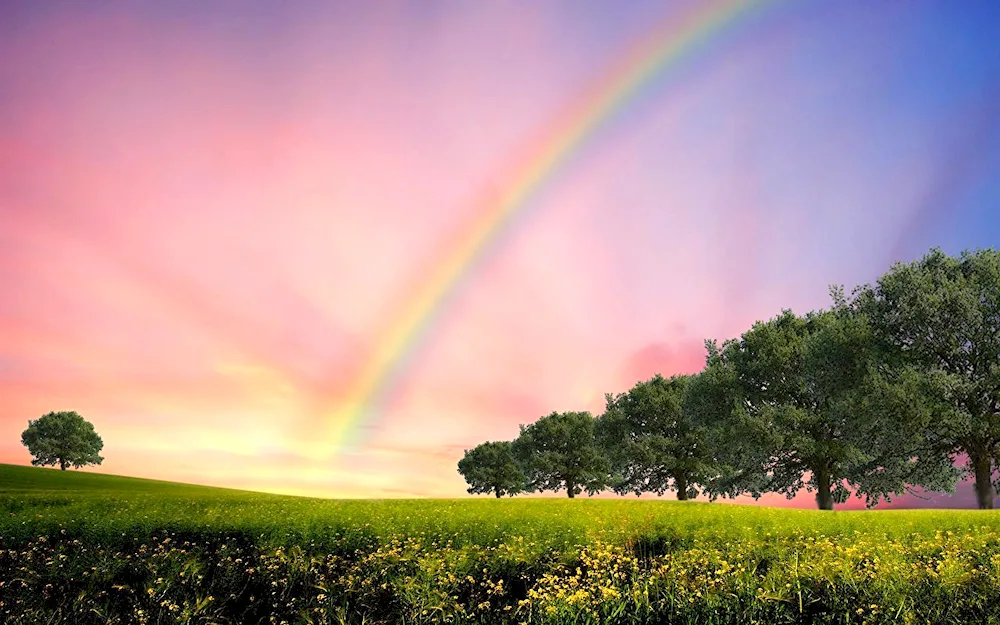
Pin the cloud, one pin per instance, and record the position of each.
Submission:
(667, 359)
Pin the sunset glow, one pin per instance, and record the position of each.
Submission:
(324, 248)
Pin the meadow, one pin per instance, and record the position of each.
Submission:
(87, 548)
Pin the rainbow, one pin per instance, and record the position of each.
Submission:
(664, 48)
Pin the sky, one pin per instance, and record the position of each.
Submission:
(260, 245)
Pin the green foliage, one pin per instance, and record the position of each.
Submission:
(880, 394)
(560, 451)
(92, 549)
(62, 438)
(808, 410)
(651, 440)
(492, 468)
(940, 316)
(714, 402)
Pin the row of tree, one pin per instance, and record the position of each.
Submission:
(895, 387)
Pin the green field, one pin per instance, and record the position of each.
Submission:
(86, 548)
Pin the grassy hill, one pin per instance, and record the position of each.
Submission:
(77, 545)
(22, 479)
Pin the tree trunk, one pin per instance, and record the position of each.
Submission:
(983, 470)
(497, 492)
(62, 464)
(570, 489)
(681, 482)
(824, 499)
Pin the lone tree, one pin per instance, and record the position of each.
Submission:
(560, 451)
(63, 438)
(810, 412)
(941, 316)
(651, 441)
(492, 468)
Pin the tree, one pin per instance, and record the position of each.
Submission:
(492, 468)
(63, 438)
(651, 441)
(560, 451)
(940, 316)
(807, 409)
(712, 401)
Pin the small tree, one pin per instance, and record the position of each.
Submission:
(560, 451)
(63, 438)
(492, 468)
(652, 442)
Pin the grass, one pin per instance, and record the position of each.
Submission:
(88, 548)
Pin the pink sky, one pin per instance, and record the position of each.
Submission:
(209, 217)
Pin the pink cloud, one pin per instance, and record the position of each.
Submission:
(665, 359)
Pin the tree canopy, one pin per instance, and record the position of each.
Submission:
(560, 452)
(491, 468)
(809, 412)
(62, 438)
(884, 391)
(652, 442)
(940, 315)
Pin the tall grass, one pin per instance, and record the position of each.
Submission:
(85, 548)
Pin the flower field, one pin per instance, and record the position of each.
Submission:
(85, 548)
